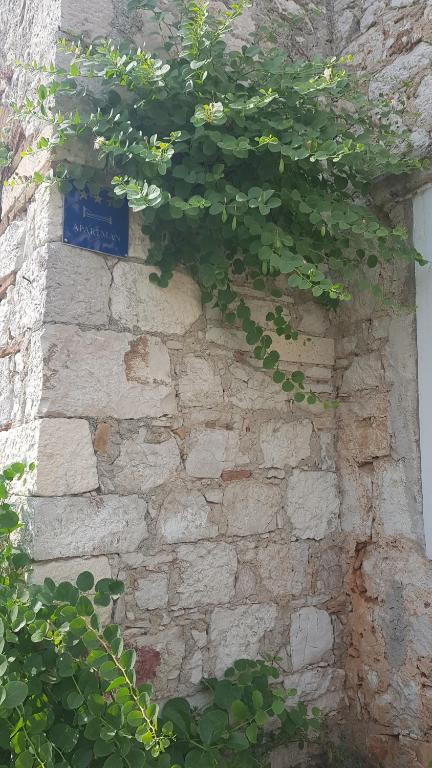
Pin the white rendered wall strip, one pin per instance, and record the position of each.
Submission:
(423, 243)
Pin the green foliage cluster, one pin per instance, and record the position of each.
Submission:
(246, 168)
(69, 696)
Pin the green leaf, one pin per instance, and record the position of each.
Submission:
(16, 692)
(24, 760)
(85, 581)
(75, 700)
(212, 725)
(239, 710)
(3, 664)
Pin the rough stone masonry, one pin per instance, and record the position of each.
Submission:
(241, 522)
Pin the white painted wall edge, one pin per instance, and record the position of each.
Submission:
(422, 236)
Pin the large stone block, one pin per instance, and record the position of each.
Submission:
(253, 390)
(365, 372)
(77, 286)
(151, 591)
(139, 305)
(62, 450)
(185, 516)
(104, 373)
(69, 569)
(306, 349)
(319, 686)
(213, 450)
(311, 637)
(312, 503)
(283, 568)
(198, 384)
(160, 657)
(285, 443)
(402, 69)
(251, 507)
(237, 633)
(141, 465)
(86, 525)
(12, 247)
(206, 574)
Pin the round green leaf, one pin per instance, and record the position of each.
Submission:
(16, 693)
(85, 581)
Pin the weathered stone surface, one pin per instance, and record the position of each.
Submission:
(142, 465)
(185, 516)
(77, 286)
(283, 568)
(160, 657)
(423, 100)
(311, 637)
(206, 574)
(103, 373)
(12, 247)
(86, 525)
(285, 443)
(69, 569)
(237, 633)
(253, 390)
(152, 591)
(312, 503)
(140, 305)
(401, 69)
(307, 349)
(319, 686)
(396, 506)
(62, 450)
(94, 20)
(212, 451)
(365, 372)
(251, 507)
(199, 385)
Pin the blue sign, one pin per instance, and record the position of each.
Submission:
(93, 223)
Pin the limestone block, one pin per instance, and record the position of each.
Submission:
(45, 218)
(87, 525)
(62, 450)
(29, 295)
(285, 443)
(104, 373)
(95, 19)
(12, 247)
(314, 319)
(320, 686)
(237, 633)
(253, 390)
(152, 591)
(251, 507)
(365, 372)
(142, 465)
(423, 101)
(140, 305)
(185, 516)
(7, 370)
(402, 69)
(206, 574)
(213, 450)
(138, 242)
(312, 503)
(365, 440)
(68, 569)
(311, 637)
(199, 385)
(159, 657)
(307, 349)
(395, 501)
(283, 568)
(77, 286)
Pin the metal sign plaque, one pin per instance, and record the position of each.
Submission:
(93, 223)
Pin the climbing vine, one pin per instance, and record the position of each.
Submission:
(246, 168)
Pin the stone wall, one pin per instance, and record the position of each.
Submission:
(389, 627)
(164, 455)
(240, 521)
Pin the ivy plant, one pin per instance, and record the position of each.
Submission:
(246, 168)
(69, 696)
